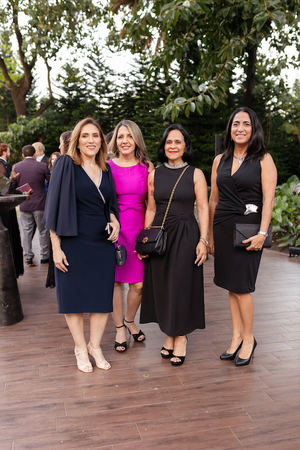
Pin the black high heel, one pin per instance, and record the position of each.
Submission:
(230, 356)
(118, 344)
(135, 335)
(244, 362)
(169, 355)
(181, 358)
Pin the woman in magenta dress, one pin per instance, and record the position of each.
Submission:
(130, 168)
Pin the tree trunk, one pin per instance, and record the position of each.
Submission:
(44, 106)
(19, 99)
(248, 97)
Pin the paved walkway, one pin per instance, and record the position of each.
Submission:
(143, 402)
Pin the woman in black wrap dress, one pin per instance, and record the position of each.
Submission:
(244, 175)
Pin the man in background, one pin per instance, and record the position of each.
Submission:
(32, 210)
(40, 152)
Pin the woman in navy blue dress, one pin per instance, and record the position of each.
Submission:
(81, 214)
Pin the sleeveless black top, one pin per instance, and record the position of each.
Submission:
(236, 190)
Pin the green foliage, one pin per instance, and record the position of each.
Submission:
(138, 99)
(199, 43)
(286, 213)
(30, 30)
(24, 131)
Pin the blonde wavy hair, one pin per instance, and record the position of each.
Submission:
(73, 150)
(140, 146)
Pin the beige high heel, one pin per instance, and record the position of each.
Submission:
(97, 354)
(83, 362)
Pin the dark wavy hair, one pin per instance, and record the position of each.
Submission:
(256, 146)
(187, 156)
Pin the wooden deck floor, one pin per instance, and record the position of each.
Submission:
(143, 402)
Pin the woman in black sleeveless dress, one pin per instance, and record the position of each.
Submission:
(242, 191)
(173, 283)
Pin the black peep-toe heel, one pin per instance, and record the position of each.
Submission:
(181, 358)
(166, 356)
(135, 335)
(118, 344)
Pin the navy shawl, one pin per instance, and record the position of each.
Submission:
(60, 210)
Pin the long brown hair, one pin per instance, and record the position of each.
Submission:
(50, 163)
(65, 137)
(140, 146)
(73, 149)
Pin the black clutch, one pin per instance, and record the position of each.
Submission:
(121, 255)
(152, 241)
(242, 231)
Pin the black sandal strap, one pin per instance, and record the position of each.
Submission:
(128, 321)
(121, 326)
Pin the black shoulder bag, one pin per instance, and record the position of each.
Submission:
(152, 241)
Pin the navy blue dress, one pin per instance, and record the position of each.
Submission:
(87, 287)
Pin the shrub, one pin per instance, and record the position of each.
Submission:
(24, 131)
(286, 214)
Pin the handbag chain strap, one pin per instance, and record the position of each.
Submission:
(171, 198)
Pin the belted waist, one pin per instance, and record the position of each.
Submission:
(251, 208)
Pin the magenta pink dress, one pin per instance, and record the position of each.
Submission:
(131, 188)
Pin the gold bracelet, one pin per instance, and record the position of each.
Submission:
(204, 240)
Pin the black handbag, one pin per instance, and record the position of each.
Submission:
(152, 241)
(242, 231)
(121, 254)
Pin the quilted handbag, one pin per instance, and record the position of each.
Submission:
(152, 241)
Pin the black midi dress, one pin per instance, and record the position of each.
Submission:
(236, 268)
(173, 285)
(87, 287)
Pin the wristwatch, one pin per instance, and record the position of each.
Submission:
(264, 233)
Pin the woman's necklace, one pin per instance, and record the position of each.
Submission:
(239, 160)
(179, 166)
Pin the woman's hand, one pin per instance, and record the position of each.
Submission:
(141, 257)
(201, 252)
(60, 259)
(115, 229)
(256, 242)
(14, 175)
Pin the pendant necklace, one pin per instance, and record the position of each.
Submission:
(239, 160)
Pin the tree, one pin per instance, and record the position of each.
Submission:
(200, 43)
(39, 30)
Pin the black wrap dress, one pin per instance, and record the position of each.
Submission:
(173, 285)
(236, 268)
